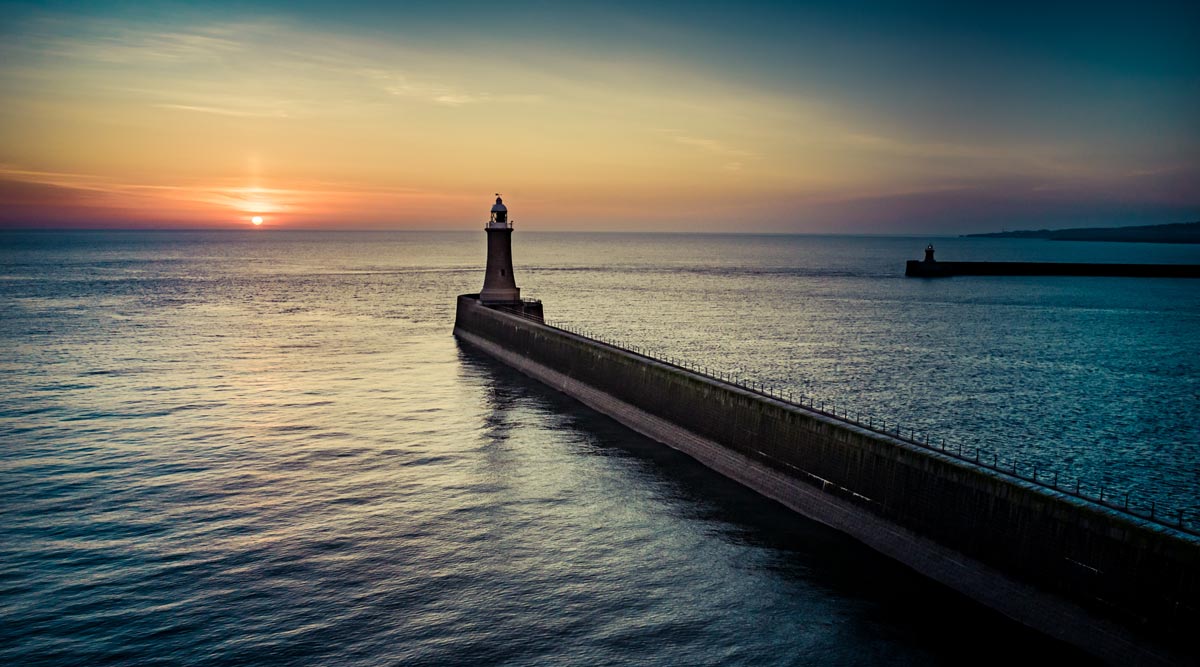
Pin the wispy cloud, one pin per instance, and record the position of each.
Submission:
(108, 42)
(734, 158)
(175, 68)
(1025, 158)
(712, 146)
(400, 85)
(241, 113)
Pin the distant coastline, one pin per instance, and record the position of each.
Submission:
(1180, 232)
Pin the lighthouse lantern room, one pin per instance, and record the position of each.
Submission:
(499, 214)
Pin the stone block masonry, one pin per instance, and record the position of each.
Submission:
(1124, 589)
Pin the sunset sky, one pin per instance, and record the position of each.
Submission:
(740, 117)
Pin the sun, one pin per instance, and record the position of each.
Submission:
(257, 220)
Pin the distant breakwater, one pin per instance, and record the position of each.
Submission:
(927, 269)
(1122, 586)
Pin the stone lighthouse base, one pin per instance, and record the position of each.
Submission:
(500, 296)
(530, 309)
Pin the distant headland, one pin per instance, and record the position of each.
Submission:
(1179, 232)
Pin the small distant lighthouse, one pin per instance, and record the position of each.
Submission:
(499, 286)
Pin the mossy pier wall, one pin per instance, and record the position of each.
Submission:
(1125, 589)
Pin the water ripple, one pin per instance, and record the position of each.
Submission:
(232, 449)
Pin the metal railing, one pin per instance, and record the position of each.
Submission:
(1111, 498)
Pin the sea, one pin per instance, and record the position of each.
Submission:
(266, 447)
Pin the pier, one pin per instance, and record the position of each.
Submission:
(930, 268)
(1120, 583)
(1114, 579)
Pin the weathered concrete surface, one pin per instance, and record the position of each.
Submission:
(1124, 590)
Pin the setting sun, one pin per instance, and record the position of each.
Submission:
(257, 220)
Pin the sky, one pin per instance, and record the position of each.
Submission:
(839, 117)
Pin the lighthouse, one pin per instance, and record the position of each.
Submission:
(499, 286)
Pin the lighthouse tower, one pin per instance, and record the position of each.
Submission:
(499, 286)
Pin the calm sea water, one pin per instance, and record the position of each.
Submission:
(266, 448)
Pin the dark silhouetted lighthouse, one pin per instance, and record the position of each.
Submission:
(499, 286)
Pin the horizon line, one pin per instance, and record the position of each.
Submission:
(260, 230)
